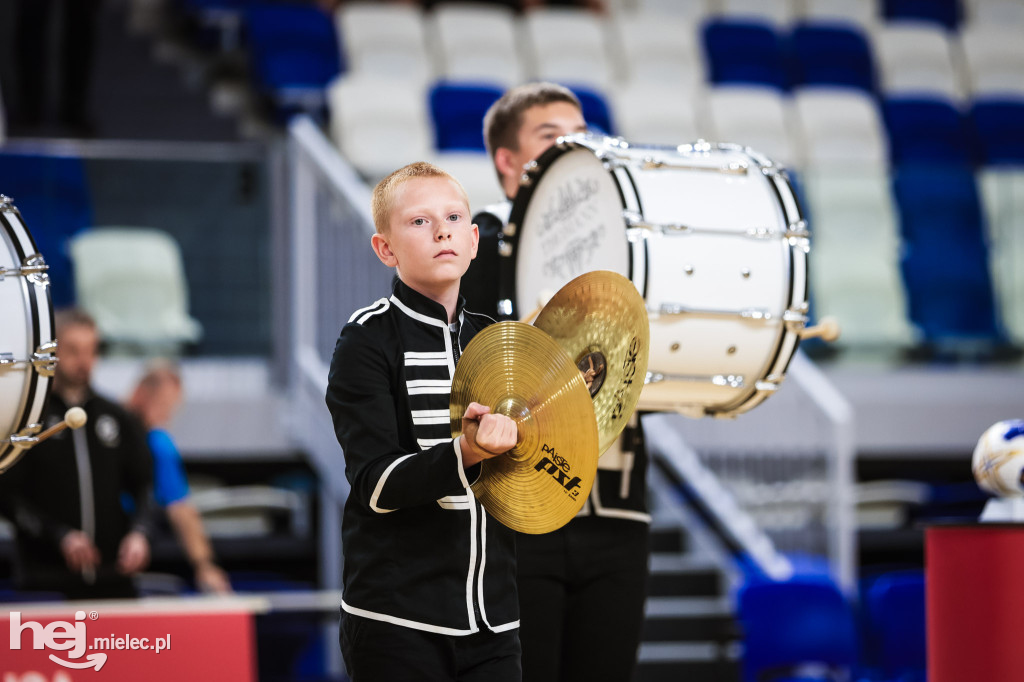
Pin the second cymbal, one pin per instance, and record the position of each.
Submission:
(600, 319)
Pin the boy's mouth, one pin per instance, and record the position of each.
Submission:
(446, 252)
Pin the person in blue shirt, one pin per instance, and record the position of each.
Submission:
(155, 399)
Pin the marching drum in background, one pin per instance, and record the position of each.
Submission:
(27, 346)
(710, 235)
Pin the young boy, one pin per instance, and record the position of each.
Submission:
(592, 571)
(429, 578)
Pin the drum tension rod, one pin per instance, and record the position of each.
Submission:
(33, 265)
(43, 360)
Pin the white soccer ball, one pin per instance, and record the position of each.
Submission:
(998, 461)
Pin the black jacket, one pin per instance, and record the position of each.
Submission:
(46, 494)
(420, 551)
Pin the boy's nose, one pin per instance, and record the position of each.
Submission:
(443, 233)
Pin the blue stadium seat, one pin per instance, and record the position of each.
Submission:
(944, 12)
(53, 196)
(999, 130)
(293, 52)
(458, 112)
(926, 130)
(945, 259)
(832, 54)
(895, 604)
(745, 52)
(596, 111)
(800, 629)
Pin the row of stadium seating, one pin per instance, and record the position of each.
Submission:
(862, 149)
(295, 50)
(492, 44)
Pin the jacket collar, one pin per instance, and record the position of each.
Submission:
(423, 306)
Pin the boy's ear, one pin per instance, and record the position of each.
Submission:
(503, 162)
(476, 239)
(382, 248)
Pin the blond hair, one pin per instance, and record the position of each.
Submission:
(503, 120)
(383, 201)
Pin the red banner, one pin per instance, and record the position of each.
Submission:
(110, 643)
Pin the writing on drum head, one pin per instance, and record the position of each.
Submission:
(558, 468)
(570, 231)
(628, 374)
(565, 204)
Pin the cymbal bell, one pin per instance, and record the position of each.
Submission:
(600, 319)
(521, 372)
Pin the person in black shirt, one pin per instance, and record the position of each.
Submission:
(429, 578)
(64, 494)
(582, 587)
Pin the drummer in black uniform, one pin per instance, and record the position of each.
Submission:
(65, 495)
(581, 588)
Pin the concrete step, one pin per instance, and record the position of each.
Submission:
(683, 575)
(689, 619)
(689, 661)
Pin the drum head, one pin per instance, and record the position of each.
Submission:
(566, 221)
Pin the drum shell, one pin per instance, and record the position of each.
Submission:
(27, 328)
(711, 235)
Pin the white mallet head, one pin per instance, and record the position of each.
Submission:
(75, 417)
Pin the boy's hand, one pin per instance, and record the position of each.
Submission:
(486, 435)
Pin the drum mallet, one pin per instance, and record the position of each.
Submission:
(74, 418)
(827, 329)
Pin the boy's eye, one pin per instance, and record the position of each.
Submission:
(419, 221)
(454, 217)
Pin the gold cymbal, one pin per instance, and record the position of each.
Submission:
(521, 372)
(600, 319)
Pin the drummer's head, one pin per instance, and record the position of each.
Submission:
(527, 120)
(78, 342)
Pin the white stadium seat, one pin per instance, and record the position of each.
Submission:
(648, 113)
(916, 58)
(778, 13)
(854, 267)
(993, 59)
(132, 281)
(838, 125)
(753, 117)
(995, 12)
(862, 13)
(477, 42)
(1002, 194)
(384, 39)
(661, 48)
(379, 125)
(691, 10)
(568, 45)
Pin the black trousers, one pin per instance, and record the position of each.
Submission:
(376, 651)
(581, 600)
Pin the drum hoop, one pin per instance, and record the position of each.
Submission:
(535, 172)
(32, 293)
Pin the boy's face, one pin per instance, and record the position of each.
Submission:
(430, 239)
(541, 126)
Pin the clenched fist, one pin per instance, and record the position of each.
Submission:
(486, 435)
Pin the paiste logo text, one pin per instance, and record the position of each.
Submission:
(628, 373)
(71, 637)
(559, 470)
